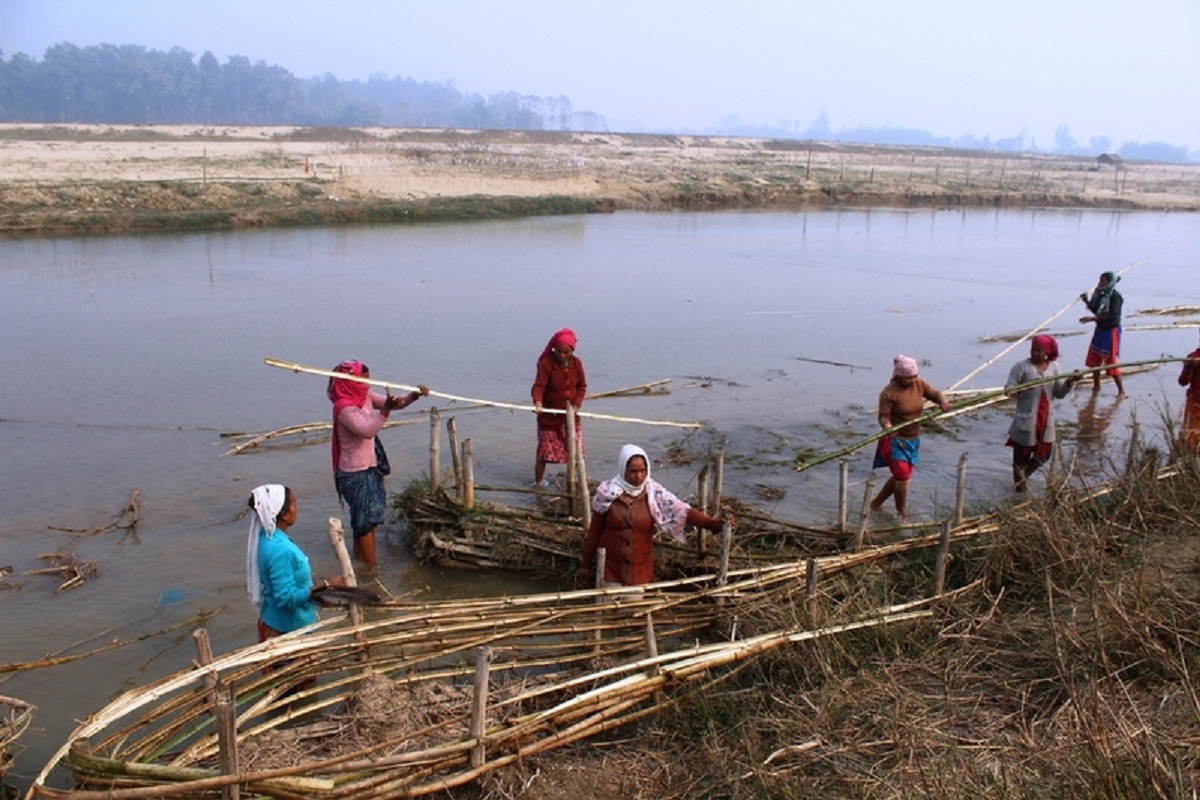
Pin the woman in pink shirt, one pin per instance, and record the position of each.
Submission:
(358, 416)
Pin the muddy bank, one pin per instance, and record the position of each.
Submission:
(63, 180)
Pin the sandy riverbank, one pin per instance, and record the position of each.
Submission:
(118, 179)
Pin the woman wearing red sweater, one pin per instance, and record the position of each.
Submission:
(560, 380)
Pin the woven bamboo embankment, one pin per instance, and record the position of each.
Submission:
(391, 714)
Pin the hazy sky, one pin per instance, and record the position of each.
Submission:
(1127, 69)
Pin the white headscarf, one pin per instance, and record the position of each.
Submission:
(268, 502)
(668, 511)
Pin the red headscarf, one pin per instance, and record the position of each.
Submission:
(1046, 343)
(566, 337)
(343, 394)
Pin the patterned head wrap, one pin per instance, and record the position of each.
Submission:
(669, 512)
(904, 367)
(1047, 344)
(1102, 294)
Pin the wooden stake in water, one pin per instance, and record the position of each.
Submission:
(572, 447)
(455, 457)
(468, 499)
(435, 466)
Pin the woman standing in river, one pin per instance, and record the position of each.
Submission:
(358, 416)
(559, 381)
(627, 509)
(1031, 435)
(902, 400)
(1105, 348)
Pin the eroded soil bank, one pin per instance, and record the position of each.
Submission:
(63, 180)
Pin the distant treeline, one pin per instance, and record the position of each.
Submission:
(1064, 144)
(130, 84)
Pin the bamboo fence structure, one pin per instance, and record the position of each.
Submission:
(560, 667)
(411, 699)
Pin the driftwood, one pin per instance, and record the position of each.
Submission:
(653, 387)
(54, 661)
(15, 716)
(68, 568)
(126, 519)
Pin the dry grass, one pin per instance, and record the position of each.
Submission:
(1074, 677)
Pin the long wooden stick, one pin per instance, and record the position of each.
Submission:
(294, 367)
(1032, 333)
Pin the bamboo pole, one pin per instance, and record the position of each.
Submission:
(960, 491)
(718, 484)
(864, 515)
(943, 558)
(723, 570)
(337, 540)
(226, 721)
(294, 367)
(843, 495)
(582, 479)
(1031, 333)
(702, 497)
(483, 663)
(468, 457)
(652, 655)
(455, 457)
(641, 388)
(812, 575)
(435, 467)
(572, 447)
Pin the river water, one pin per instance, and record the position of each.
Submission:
(126, 359)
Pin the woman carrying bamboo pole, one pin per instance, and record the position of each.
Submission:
(1031, 435)
(358, 469)
(902, 400)
(1189, 376)
(559, 380)
(626, 510)
(1105, 348)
